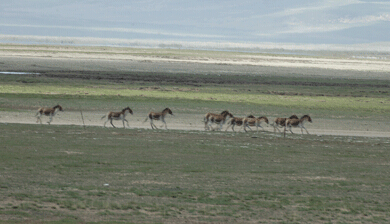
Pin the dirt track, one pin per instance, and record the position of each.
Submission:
(61, 63)
(181, 122)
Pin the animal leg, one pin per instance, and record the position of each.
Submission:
(257, 126)
(214, 129)
(164, 123)
(112, 123)
(206, 126)
(209, 127)
(127, 122)
(242, 126)
(245, 125)
(38, 115)
(220, 127)
(51, 118)
(39, 118)
(229, 127)
(152, 125)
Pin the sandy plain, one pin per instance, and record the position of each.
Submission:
(36, 59)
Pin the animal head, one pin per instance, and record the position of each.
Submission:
(307, 117)
(264, 118)
(168, 110)
(58, 106)
(127, 108)
(293, 117)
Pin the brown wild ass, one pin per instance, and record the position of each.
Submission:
(220, 119)
(237, 121)
(158, 116)
(297, 123)
(281, 122)
(48, 112)
(118, 116)
(254, 122)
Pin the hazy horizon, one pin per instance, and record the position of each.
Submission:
(302, 24)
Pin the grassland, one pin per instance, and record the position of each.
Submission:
(361, 97)
(68, 174)
(73, 174)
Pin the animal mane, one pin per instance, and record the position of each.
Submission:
(265, 118)
(305, 116)
(57, 106)
(167, 109)
(127, 108)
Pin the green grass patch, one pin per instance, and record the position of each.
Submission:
(378, 105)
(64, 171)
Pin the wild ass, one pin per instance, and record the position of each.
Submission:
(158, 116)
(237, 121)
(118, 116)
(281, 122)
(254, 122)
(298, 123)
(220, 119)
(48, 112)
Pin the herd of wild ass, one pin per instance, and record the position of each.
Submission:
(209, 119)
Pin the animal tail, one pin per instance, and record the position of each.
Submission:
(103, 117)
(146, 119)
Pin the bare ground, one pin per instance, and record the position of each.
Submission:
(195, 122)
